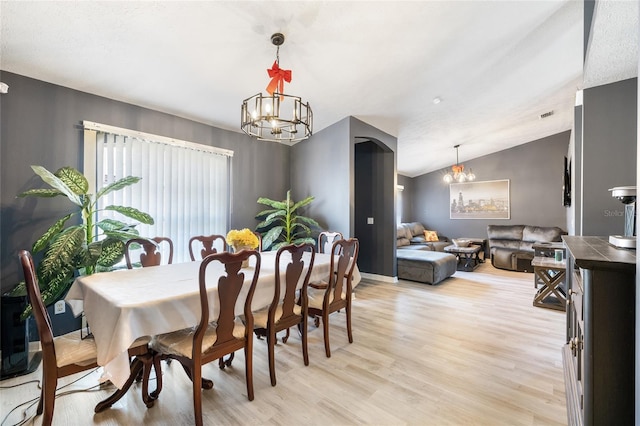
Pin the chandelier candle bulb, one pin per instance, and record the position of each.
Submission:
(457, 172)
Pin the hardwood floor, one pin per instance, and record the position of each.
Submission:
(471, 350)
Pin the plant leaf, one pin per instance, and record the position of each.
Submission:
(44, 192)
(123, 235)
(132, 213)
(112, 252)
(272, 203)
(54, 230)
(302, 203)
(61, 252)
(266, 212)
(307, 220)
(57, 183)
(267, 223)
(304, 241)
(279, 214)
(118, 185)
(19, 290)
(51, 290)
(73, 179)
(271, 236)
(111, 225)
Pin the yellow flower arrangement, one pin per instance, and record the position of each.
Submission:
(243, 238)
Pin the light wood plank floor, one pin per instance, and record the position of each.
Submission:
(469, 351)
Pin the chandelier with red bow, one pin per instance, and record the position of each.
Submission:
(277, 116)
(457, 172)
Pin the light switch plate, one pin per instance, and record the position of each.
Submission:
(369, 221)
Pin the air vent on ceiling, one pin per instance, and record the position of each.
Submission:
(546, 114)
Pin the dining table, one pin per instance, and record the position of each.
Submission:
(123, 305)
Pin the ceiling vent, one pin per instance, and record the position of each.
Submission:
(546, 114)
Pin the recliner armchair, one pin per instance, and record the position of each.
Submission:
(511, 246)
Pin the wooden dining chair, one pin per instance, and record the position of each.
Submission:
(208, 244)
(152, 255)
(212, 340)
(70, 353)
(326, 240)
(327, 297)
(284, 313)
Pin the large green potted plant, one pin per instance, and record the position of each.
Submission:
(83, 248)
(283, 224)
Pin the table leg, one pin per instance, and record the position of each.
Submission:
(140, 363)
(550, 287)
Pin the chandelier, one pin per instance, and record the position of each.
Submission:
(457, 172)
(277, 117)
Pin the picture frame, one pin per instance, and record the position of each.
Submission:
(480, 200)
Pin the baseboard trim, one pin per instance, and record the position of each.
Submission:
(376, 277)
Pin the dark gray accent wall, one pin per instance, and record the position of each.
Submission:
(609, 151)
(324, 166)
(535, 171)
(382, 253)
(41, 125)
(371, 177)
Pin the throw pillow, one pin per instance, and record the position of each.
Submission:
(430, 235)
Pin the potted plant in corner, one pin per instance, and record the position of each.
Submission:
(283, 223)
(78, 249)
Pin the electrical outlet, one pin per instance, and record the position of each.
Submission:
(60, 307)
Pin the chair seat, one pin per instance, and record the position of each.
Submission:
(315, 296)
(260, 317)
(180, 342)
(72, 350)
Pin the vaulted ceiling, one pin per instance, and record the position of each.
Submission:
(495, 66)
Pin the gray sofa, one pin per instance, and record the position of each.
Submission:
(410, 236)
(511, 246)
(420, 260)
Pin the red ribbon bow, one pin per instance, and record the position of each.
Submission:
(278, 77)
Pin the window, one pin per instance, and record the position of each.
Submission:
(185, 186)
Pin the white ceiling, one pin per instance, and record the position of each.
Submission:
(496, 65)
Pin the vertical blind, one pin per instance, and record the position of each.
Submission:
(185, 187)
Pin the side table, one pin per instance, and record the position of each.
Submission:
(551, 274)
(468, 258)
(482, 242)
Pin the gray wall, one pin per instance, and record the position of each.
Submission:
(574, 154)
(407, 198)
(535, 171)
(40, 125)
(323, 166)
(609, 150)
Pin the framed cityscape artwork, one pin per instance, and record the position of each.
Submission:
(480, 200)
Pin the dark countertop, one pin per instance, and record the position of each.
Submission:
(597, 253)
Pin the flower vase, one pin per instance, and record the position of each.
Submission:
(236, 249)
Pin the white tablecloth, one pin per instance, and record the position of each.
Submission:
(124, 305)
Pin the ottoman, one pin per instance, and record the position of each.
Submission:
(424, 266)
